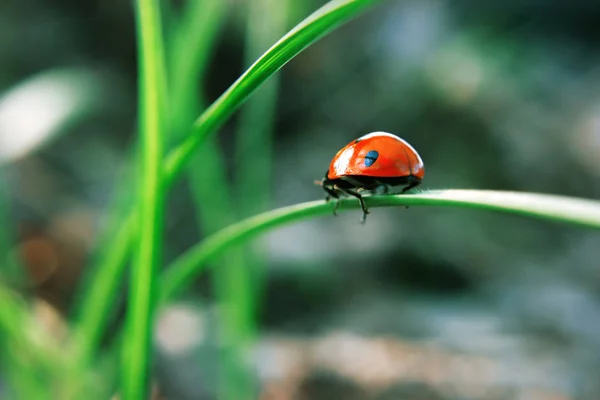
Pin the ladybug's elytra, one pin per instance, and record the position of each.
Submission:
(374, 162)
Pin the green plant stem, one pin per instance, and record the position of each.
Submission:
(321, 22)
(544, 206)
(139, 319)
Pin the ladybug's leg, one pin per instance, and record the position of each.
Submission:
(337, 205)
(359, 188)
(332, 193)
(337, 200)
(362, 203)
(410, 186)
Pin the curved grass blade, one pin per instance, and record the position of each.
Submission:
(324, 20)
(571, 210)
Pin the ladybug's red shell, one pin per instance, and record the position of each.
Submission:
(394, 158)
(377, 161)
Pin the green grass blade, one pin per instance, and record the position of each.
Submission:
(139, 319)
(544, 206)
(324, 20)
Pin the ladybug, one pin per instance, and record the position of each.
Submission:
(372, 163)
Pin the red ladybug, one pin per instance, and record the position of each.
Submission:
(372, 163)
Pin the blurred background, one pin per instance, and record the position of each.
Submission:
(422, 303)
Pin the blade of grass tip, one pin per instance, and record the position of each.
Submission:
(139, 319)
(321, 22)
(563, 209)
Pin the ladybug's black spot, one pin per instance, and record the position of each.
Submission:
(371, 157)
